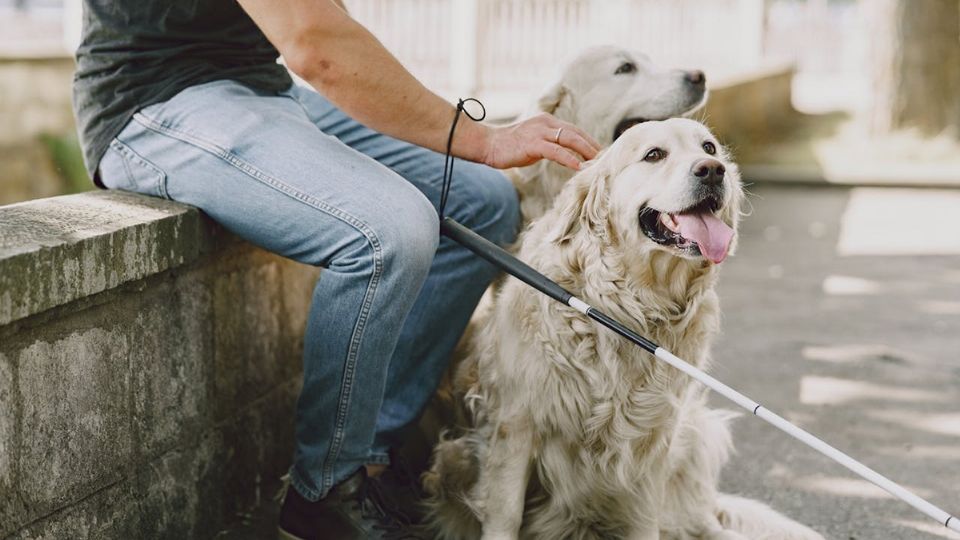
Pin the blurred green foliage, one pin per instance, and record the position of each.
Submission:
(67, 158)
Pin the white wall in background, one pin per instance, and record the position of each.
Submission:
(504, 51)
(72, 23)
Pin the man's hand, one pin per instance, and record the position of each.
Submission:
(542, 136)
(321, 43)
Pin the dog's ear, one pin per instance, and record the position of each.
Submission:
(551, 98)
(584, 207)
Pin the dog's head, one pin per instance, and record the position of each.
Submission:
(605, 90)
(664, 186)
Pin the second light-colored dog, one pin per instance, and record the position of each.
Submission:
(603, 91)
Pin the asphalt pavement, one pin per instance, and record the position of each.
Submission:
(861, 350)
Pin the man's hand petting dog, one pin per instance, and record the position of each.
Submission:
(540, 137)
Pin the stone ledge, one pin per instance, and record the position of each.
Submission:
(149, 366)
(54, 251)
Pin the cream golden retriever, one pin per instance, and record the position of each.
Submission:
(604, 90)
(577, 433)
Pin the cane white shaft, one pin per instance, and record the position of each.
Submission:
(535, 279)
(803, 436)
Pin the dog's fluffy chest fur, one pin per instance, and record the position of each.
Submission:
(598, 395)
(593, 372)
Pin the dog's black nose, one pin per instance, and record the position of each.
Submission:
(709, 171)
(695, 77)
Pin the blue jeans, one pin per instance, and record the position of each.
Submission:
(295, 175)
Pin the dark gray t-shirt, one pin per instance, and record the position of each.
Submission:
(135, 53)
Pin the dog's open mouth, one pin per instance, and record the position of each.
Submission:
(626, 124)
(695, 231)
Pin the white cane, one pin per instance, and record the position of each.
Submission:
(528, 275)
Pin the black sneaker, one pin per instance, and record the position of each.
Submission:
(398, 489)
(352, 510)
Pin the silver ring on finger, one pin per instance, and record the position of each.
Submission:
(557, 138)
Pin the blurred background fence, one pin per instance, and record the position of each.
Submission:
(505, 50)
(863, 68)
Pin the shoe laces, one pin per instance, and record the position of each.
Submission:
(378, 505)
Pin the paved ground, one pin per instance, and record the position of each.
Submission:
(861, 350)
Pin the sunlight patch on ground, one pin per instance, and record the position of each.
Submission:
(942, 424)
(939, 307)
(849, 285)
(929, 527)
(840, 285)
(779, 470)
(848, 487)
(898, 221)
(854, 352)
(831, 391)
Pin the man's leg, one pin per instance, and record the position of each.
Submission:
(258, 166)
(480, 198)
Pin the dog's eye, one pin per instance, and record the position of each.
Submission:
(654, 155)
(709, 148)
(626, 67)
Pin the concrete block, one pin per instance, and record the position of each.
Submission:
(75, 430)
(176, 492)
(259, 438)
(158, 409)
(54, 251)
(296, 287)
(110, 513)
(10, 503)
(169, 345)
(252, 347)
(8, 408)
(276, 411)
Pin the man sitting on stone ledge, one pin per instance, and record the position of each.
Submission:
(185, 100)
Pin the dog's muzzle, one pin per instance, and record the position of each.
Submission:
(694, 231)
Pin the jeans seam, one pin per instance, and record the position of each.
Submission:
(371, 237)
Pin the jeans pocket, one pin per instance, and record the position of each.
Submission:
(122, 168)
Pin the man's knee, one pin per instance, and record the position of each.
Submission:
(409, 234)
(399, 238)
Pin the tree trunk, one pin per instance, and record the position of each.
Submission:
(915, 46)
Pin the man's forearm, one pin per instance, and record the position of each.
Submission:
(348, 65)
(354, 71)
(351, 68)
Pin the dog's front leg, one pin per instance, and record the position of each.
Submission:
(504, 475)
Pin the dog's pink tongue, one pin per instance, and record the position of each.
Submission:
(712, 235)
